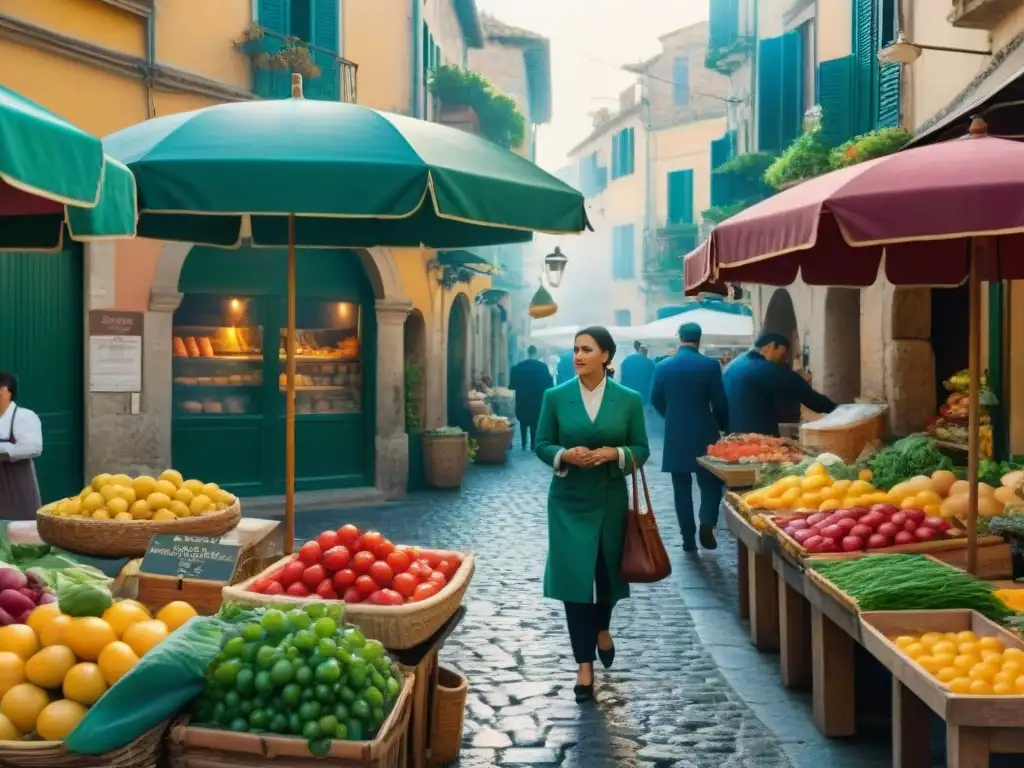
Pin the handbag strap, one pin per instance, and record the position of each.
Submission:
(638, 470)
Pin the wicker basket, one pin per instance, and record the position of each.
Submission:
(449, 717)
(193, 747)
(110, 538)
(396, 626)
(492, 445)
(144, 752)
(445, 458)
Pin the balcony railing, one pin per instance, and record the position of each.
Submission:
(327, 76)
(663, 255)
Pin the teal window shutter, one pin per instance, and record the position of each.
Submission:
(615, 156)
(629, 164)
(681, 81)
(721, 152)
(623, 153)
(889, 82)
(272, 15)
(623, 253)
(300, 19)
(835, 95)
(865, 73)
(680, 196)
(791, 106)
(769, 95)
(327, 86)
(723, 22)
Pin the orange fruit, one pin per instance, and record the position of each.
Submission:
(19, 639)
(58, 719)
(12, 671)
(175, 614)
(22, 705)
(143, 636)
(7, 730)
(55, 631)
(116, 660)
(41, 615)
(48, 667)
(123, 614)
(84, 683)
(88, 636)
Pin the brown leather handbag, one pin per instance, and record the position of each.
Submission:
(644, 559)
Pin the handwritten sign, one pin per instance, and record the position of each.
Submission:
(190, 557)
(115, 351)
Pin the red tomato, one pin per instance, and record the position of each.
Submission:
(353, 595)
(348, 535)
(389, 597)
(399, 562)
(310, 553)
(326, 590)
(275, 588)
(448, 568)
(292, 572)
(260, 585)
(381, 573)
(383, 549)
(423, 591)
(362, 561)
(337, 558)
(405, 584)
(366, 585)
(327, 540)
(420, 570)
(298, 589)
(313, 575)
(371, 539)
(431, 557)
(344, 579)
(438, 578)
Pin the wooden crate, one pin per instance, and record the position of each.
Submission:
(846, 441)
(733, 475)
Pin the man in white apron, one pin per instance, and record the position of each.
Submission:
(21, 441)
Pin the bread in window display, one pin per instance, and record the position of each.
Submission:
(179, 347)
(192, 346)
(192, 406)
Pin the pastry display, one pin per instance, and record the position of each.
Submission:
(178, 347)
(205, 347)
(192, 346)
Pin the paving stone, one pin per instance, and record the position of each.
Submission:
(494, 739)
(531, 756)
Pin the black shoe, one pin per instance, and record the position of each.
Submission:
(689, 546)
(707, 537)
(607, 657)
(583, 693)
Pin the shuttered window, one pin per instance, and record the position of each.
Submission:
(593, 177)
(623, 252)
(723, 22)
(681, 81)
(623, 153)
(680, 196)
(315, 22)
(876, 90)
(623, 318)
(722, 150)
(273, 16)
(779, 91)
(835, 90)
(325, 38)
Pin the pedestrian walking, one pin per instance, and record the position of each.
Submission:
(591, 431)
(759, 382)
(688, 392)
(638, 371)
(566, 371)
(21, 441)
(529, 379)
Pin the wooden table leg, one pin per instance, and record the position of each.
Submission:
(419, 722)
(794, 636)
(764, 602)
(911, 729)
(833, 692)
(967, 747)
(743, 577)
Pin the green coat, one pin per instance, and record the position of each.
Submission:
(588, 506)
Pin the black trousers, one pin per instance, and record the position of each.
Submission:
(528, 426)
(587, 620)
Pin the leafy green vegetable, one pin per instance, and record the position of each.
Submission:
(82, 598)
(910, 583)
(910, 456)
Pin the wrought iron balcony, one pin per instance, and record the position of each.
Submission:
(981, 14)
(663, 255)
(327, 76)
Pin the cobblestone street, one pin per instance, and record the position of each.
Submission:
(687, 689)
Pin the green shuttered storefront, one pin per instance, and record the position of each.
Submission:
(41, 340)
(228, 368)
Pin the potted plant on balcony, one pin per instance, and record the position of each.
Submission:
(446, 455)
(467, 99)
(267, 50)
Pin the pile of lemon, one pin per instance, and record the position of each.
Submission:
(127, 499)
(966, 663)
(816, 490)
(55, 667)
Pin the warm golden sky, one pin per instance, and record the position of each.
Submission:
(589, 38)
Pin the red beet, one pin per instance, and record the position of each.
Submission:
(877, 541)
(924, 533)
(885, 509)
(847, 523)
(833, 532)
(888, 529)
(917, 515)
(905, 537)
(852, 543)
(862, 530)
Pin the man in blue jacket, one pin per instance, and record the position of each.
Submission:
(687, 391)
(638, 371)
(759, 382)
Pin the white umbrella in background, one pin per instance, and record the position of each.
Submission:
(718, 329)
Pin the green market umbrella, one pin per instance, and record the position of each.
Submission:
(323, 174)
(52, 174)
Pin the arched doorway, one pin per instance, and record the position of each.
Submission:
(415, 370)
(779, 317)
(841, 356)
(458, 344)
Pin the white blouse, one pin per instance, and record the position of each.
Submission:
(592, 399)
(28, 431)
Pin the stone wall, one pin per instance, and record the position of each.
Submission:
(708, 89)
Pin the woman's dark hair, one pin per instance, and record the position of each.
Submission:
(10, 381)
(604, 340)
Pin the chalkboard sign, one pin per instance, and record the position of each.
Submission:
(190, 557)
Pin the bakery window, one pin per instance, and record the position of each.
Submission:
(328, 358)
(217, 357)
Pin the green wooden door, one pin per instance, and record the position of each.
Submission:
(41, 338)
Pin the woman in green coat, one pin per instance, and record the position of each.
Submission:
(590, 431)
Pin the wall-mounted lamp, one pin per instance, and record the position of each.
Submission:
(903, 51)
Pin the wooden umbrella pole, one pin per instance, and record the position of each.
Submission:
(289, 407)
(974, 411)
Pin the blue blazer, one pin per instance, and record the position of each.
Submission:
(688, 392)
(637, 371)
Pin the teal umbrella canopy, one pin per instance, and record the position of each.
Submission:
(352, 176)
(54, 178)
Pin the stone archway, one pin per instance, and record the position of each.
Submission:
(458, 359)
(780, 317)
(415, 337)
(391, 308)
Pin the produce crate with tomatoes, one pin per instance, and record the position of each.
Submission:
(737, 460)
(399, 595)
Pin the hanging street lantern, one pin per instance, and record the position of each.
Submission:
(554, 266)
(542, 304)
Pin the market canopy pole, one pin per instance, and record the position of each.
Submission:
(289, 406)
(973, 413)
